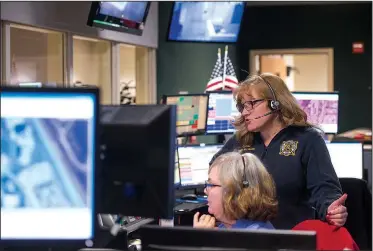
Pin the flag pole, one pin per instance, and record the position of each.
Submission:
(225, 65)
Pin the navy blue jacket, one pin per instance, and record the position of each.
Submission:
(300, 164)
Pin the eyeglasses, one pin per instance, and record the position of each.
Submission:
(248, 105)
(208, 185)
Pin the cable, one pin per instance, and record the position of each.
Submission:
(178, 158)
(117, 225)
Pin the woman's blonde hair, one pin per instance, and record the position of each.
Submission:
(257, 201)
(289, 113)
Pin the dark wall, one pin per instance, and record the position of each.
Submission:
(187, 66)
(184, 66)
(313, 26)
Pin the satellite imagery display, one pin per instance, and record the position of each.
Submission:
(44, 162)
(320, 111)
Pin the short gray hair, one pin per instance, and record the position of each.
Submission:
(231, 167)
(258, 200)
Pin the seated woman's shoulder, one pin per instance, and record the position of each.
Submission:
(265, 225)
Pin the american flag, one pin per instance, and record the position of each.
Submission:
(231, 81)
(216, 79)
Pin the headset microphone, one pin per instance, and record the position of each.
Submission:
(266, 114)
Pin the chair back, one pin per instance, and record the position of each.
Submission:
(328, 237)
(359, 207)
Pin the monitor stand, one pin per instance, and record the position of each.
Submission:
(328, 137)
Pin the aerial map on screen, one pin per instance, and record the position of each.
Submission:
(44, 162)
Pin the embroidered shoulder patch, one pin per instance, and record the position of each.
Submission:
(288, 148)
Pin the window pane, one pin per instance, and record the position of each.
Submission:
(134, 74)
(92, 65)
(127, 77)
(37, 55)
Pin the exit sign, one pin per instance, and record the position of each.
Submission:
(358, 47)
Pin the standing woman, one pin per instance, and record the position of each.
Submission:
(274, 128)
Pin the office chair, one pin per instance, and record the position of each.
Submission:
(359, 207)
(329, 237)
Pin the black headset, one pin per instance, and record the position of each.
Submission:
(245, 182)
(274, 105)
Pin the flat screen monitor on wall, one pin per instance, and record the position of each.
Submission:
(206, 21)
(122, 16)
(321, 109)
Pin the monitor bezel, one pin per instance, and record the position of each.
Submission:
(124, 29)
(50, 243)
(188, 238)
(168, 39)
(316, 93)
(194, 186)
(201, 132)
(218, 92)
(323, 93)
(362, 155)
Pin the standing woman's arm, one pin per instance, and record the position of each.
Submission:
(322, 181)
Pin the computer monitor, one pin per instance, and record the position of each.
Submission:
(191, 113)
(347, 159)
(194, 163)
(187, 238)
(138, 152)
(321, 109)
(221, 113)
(367, 163)
(120, 16)
(48, 165)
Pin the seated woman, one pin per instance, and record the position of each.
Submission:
(240, 194)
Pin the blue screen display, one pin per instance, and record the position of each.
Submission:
(47, 165)
(206, 21)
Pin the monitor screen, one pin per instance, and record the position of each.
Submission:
(124, 16)
(321, 109)
(191, 113)
(206, 21)
(48, 163)
(177, 170)
(221, 113)
(194, 163)
(347, 159)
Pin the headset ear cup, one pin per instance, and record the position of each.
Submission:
(274, 105)
(271, 105)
